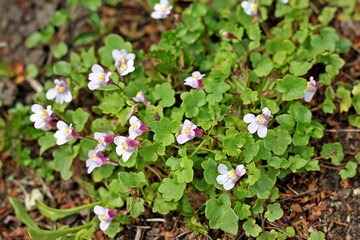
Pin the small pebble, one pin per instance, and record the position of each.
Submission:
(356, 192)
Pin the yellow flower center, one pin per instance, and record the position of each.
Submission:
(232, 176)
(124, 147)
(123, 66)
(67, 131)
(309, 86)
(254, 6)
(102, 214)
(196, 76)
(102, 77)
(93, 156)
(231, 172)
(103, 218)
(121, 59)
(164, 9)
(138, 94)
(186, 132)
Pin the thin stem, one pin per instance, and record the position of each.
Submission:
(332, 153)
(153, 170)
(81, 137)
(118, 87)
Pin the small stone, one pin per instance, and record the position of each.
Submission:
(348, 218)
(345, 193)
(356, 192)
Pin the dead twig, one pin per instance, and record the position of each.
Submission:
(182, 234)
(298, 195)
(155, 220)
(342, 130)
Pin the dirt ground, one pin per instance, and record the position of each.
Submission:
(311, 201)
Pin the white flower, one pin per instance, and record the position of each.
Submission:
(195, 81)
(41, 117)
(61, 92)
(105, 216)
(124, 61)
(285, 1)
(188, 132)
(97, 159)
(161, 10)
(64, 134)
(229, 178)
(140, 97)
(126, 147)
(137, 127)
(103, 140)
(98, 77)
(310, 90)
(258, 123)
(250, 7)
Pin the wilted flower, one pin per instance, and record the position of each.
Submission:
(161, 10)
(137, 127)
(105, 216)
(65, 133)
(98, 77)
(229, 178)
(61, 92)
(285, 1)
(124, 61)
(250, 7)
(126, 147)
(188, 131)
(195, 81)
(258, 123)
(41, 117)
(140, 97)
(103, 140)
(310, 90)
(97, 159)
(228, 35)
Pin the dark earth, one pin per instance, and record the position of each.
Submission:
(311, 201)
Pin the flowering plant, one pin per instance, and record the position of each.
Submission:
(187, 136)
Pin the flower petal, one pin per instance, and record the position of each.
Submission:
(248, 118)
(61, 125)
(104, 225)
(309, 95)
(126, 155)
(229, 185)
(51, 94)
(119, 139)
(94, 85)
(98, 210)
(36, 108)
(222, 179)
(262, 131)
(96, 68)
(223, 169)
(253, 127)
(182, 138)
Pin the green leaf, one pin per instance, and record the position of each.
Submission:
(337, 157)
(264, 68)
(326, 15)
(135, 206)
(291, 87)
(262, 187)
(349, 171)
(192, 101)
(296, 162)
(151, 151)
(242, 210)
(103, 125)
(112, 103)
(33, 40)
(301, 113)
(195, 224)
(21, 214)
(47, 141)
(63, 158)
(79, 118)
(299, 68)
(113, 229)
(132, 180)
(165, 93)
(251, 228)
(40, 234)
(210, 171)
(345, 96)
(162, 56)
(221, 215)
(102, 172)
(86, 38)
(356, 103)
(62, 68)
(172, 190)
(85, 146)
(317, 236)
(277, 141)
(59, 17)
(55, 214)
(31, 70)
(164, 130)
(286, 121)
(274, 212)
(162, 206)
(215, 90)
(93, 5)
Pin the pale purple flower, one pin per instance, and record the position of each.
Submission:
(285, 1)
(188, 131)
(137, 127)
(41, 117)
(195, 81)
(258, 123)
(140, 97)
(125, 147)
(229, 178)
(65, 133)
(250, 7)
(98, 77)
(97, 159)
(105, 216)
(228, 35)
(103, 140)
(124, 61)
(310, 90)
(61, 92)
(162, 10)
